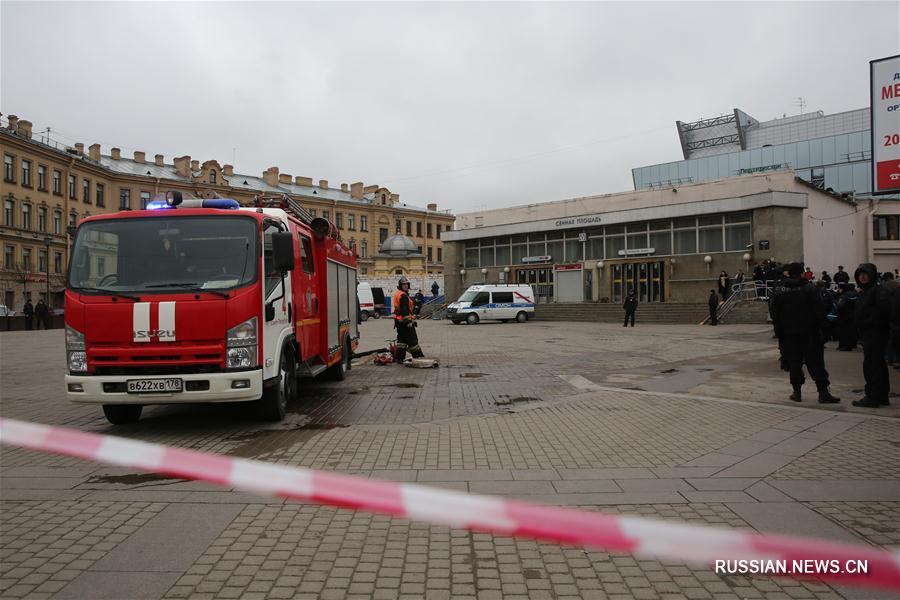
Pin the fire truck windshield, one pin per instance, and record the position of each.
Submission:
(165, 254)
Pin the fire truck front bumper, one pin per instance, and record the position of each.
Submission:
(239, 386)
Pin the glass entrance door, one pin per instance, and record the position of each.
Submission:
(646, 280)
(540, 280)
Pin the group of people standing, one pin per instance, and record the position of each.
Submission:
(40, 311)
(806, 313)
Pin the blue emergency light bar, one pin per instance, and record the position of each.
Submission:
(222, 203)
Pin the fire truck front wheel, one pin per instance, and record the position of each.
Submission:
(121, 414)
(278, 392)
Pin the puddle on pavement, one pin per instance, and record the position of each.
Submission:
(266, 441)
(669, 371)
(473, 375)
(533, 573)
(458, 366)
(506, 401)
(132, 478)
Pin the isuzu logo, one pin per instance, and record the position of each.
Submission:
(165, 323)
(152, 333)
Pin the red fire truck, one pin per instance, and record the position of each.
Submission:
(203, 300)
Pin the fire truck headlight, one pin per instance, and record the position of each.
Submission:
(243, 334)
(76, 357)
(242, 357)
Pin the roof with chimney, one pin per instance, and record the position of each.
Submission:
(248, 183)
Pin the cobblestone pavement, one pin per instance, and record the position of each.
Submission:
(672, 422)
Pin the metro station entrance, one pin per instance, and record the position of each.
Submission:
(541, 281)
(647, 279)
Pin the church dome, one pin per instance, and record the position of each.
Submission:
(398, 245)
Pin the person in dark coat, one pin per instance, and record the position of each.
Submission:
(630, 306)
(42, 312)
(713, 307)
(826, 278)
(418, 301)
(435, 288)
(873, 317)
(778, 288)
(895, 326)
(845, 324)
(841, 276)
(828, 298)
(759, 278)
(798, 313)
(724, 285)
(28, 311)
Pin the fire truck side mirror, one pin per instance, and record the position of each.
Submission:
(283, 251)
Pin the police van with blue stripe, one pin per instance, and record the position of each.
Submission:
(493, 302)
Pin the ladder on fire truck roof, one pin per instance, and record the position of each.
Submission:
(286, 203)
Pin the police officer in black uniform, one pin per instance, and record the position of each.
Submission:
(798, 313)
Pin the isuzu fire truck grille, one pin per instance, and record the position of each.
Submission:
(154, 359)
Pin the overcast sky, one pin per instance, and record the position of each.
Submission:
(467, 105)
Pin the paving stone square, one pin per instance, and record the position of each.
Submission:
(656, 421)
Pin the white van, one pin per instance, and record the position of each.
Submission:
(366, 301)
(497, 302)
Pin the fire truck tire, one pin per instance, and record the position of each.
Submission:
(121, 414)
(338, 372)
(273, 404)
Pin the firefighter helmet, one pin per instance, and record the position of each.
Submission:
(401, 282)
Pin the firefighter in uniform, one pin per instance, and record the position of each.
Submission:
(405, 322)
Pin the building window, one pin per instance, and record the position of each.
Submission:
(9, 215)
(398, 271)
(72, 187)
(42, 178)
(101, 266)
(325, 215)
(339, 217)
(57, 222)
(363, 223)
(26, 216)
(42, 261)
(57, 262)
(26, 173)
(441, 255)
(886, 228)
(437, 231)
(429, 254)
(86, 191)
(351, 222)
(397, 224)
(364, 249)
(383, 199)
(73, 218)
(212, 175)
(9, 168)
(145, 199)
(26, 259)
(419, 229)
(9, 257)
(42, 219)
(312, 213)
(382, 234)
(409, 228)
(124, 199)
(419, 249)
(57, 182)
(817, 177)
(101, 201)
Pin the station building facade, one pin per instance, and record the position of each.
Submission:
(668, 244)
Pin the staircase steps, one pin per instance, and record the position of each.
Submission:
(682, 313)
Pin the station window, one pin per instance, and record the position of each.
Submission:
(57, 182)
(9, 168)
(26, 173)
(363, 223)
(101, 201)
(124, 199)
(72, 182)
(86, 191)
(886, 228)
(145, 199)
(42, 178)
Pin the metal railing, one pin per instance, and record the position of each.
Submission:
(742, 292)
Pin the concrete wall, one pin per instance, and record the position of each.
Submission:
(783, 228)
(835, 233)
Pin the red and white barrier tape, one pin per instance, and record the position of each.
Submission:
(644, 537)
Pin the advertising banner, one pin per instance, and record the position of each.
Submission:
(884, 75)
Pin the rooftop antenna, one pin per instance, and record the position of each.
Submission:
(799, 101)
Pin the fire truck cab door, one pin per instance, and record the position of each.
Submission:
(276, 331)
(306, 286)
